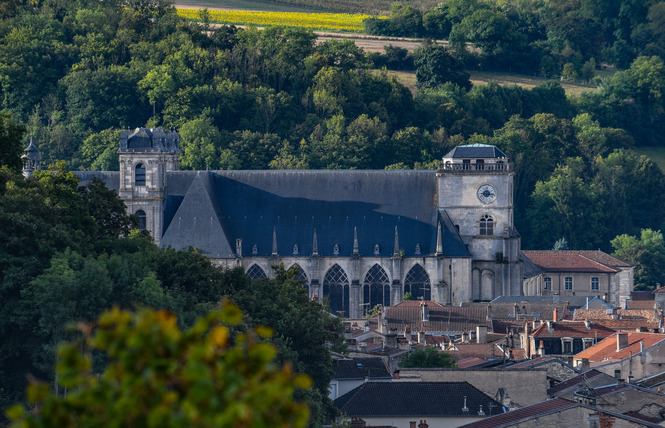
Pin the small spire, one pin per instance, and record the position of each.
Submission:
(439, 241)
(355, 241)
(274, 241)
(396, 249)
(315, 245)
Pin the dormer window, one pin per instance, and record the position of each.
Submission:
(139, 175)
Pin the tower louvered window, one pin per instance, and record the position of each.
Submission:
(486, 225)
(139, 175)
(142, 219)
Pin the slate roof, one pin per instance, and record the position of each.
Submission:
(31, 152)
(586, 377)
(442, 319)
(415, 399)
(571, 329)
(111, 178)
(572, 301)
(605, 351)
(525, 310)
(295, 203)
(568, 261)
(475, 151)
(360, 368)
(523, 414)
(516, 417)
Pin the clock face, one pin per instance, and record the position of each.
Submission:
(486, 193)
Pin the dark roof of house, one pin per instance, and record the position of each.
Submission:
(417, 399)
(475, 151)
(250, 205)
(441, 318)
(571, 329)
(568, 261)
(525, 310)
(360, 368)
(576, 380)
(642, 295)
(640, 304)
(149, 140)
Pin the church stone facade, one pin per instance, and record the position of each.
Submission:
(354, 238)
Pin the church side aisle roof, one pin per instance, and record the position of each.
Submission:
(251, 204)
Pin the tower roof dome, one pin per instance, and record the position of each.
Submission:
(31, 152)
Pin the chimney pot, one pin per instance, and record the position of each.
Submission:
(622, 340)
(555, 315)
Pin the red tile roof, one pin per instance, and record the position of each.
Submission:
(525, 413)
(572, 329)
(470, 362)
(634, 325)
(640, 304)
(569, 261)
(606, 350)
(627, 314)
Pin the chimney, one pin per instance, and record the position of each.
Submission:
(541, 349)
(421, 337)
(489, 312)
(584, 365)
(424, 312)
(549, 325)
(481, 334)
(423, 424)
(622, 340)
(465, 337)
(527, 351)
(358, 423)
(412, 424)
(587, 324)
(516, 311)
(642, 347)
(555, 315)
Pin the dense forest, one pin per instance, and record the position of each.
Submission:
(557, 37)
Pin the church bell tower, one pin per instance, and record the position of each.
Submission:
(146, 156)
(475, 189)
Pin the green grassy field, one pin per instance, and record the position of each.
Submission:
(656, 154)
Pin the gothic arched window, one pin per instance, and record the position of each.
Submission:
(139, 175)
(142, 219)
(255, 272)
(417, 283)
(336, 288)
(376, 288)
(486, 225)
(299, 275)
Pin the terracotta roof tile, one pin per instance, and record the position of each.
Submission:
(567, 261)
(627, 314)
(606, 350)
(471, 362)
(443, 319)
(640, 304)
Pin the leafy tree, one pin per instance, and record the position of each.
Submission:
(197, 142)
(647, 253)
(435, 66)
(109, 212)
(157, 375)
(99, 151)
(11, 135)
(429, 357)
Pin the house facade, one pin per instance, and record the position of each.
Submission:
(355, 239)
(580, 273)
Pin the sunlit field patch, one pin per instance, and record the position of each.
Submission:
(337, 22)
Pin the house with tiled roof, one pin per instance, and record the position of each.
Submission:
(620, 396)
(559, 412)
(432, 318)
(441, 404)
(563, 338)
(580, 273)
(626, 355)
(646, 320)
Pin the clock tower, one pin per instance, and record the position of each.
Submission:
(475, 190)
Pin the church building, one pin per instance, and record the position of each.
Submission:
(355, 238)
